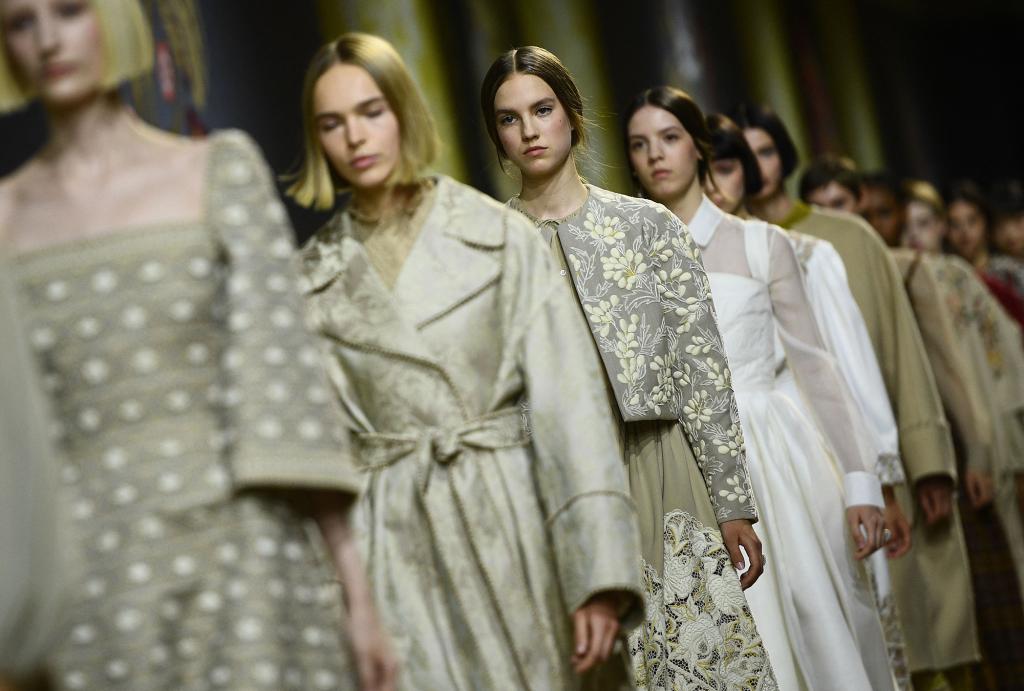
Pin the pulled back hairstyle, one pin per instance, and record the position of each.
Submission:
(686, 111)
(315, 184)
(127, 42)
(827, 169)
(924, 192)
(727, 141)
(545, 65)
(752, 116)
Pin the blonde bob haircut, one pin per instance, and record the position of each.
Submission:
(315, 184)
(127, 42)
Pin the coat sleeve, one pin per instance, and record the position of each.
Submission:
(707, 404)
(925, 442)
(32, 576)
(580, 473)
(956, 382)
(278, 436)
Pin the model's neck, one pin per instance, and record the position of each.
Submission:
(91, 130)
(384, 200)
(556, 195)
(773, 208)
(686, 204)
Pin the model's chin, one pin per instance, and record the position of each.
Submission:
(69, 93)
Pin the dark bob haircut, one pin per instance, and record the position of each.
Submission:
(827, 169)
(686, 111)
(752, 116)
(727, 141)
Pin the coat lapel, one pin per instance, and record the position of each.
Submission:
(444, 269)
(451, 262)
(352, 304)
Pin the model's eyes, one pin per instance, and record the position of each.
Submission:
(506, 119)
(544, 110)
(375, 113)
(329, 124)
(766, 151)
(637, 144)
(70, 9)
(671, 137)
(19, 21)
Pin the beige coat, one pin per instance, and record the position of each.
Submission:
(480, 540)
(932, 583)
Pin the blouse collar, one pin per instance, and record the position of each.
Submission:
(705, 222)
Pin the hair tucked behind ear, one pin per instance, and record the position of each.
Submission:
(541, 63)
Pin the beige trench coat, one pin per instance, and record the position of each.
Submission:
(480, 541)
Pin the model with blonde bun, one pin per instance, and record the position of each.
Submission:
(501, 557)
(157, 291)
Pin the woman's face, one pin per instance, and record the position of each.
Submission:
(966, 229)
(727, 192)
(1008, 235)
(533, 126)
(768, 160)
(358, 130)
(55, 48)
(882, 211)
(661, 153)
(925, 227)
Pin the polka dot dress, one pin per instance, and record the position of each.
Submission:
(187, 392)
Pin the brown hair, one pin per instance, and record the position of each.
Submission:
(540, 63)
(686, 111)
(314, 184)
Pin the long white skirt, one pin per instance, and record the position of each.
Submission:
(813, 605)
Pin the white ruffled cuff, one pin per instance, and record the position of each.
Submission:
(863, 489)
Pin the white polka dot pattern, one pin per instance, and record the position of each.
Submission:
(181, 373)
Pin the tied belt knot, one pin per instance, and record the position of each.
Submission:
(443, 445)
(469, 531)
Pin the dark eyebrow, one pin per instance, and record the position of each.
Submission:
(548, 100)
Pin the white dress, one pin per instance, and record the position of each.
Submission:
(846, 337)
(803, 604)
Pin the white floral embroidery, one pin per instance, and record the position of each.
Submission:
(639, 278)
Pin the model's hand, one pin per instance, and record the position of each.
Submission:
(741, 532)
(596, 626)
(899, 527)
(935, 495)
(980, 489)
(375, 660)
(867, 526)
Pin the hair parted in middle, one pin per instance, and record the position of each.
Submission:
(541, 63)
(315, 184)
(751, 116)
(686, 111)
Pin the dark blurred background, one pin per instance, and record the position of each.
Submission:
(926, 89)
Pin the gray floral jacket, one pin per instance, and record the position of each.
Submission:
(639, 277)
